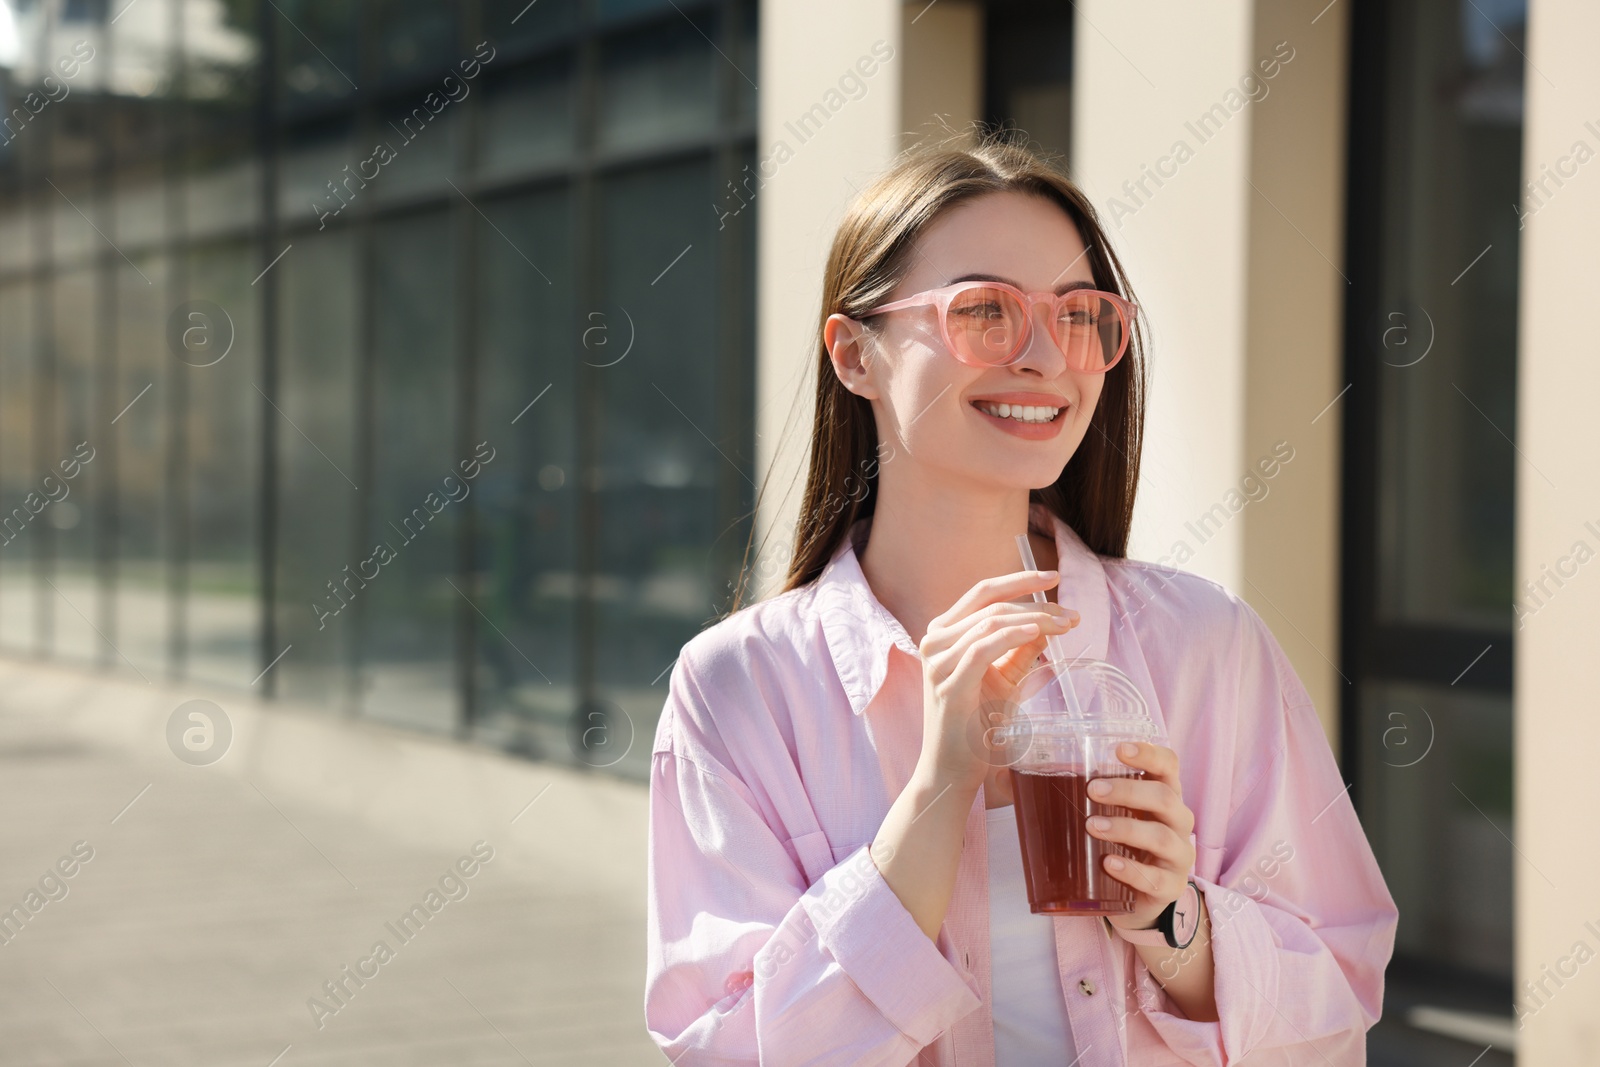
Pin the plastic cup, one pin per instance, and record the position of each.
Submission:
(1069, 720)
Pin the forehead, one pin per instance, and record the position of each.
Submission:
(1023, 238)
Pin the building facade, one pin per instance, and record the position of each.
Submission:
(433, 363)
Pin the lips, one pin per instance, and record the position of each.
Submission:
(1031, 416)
(1032, 407)
(1030, 413)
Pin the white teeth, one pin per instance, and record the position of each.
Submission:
(1022, 413)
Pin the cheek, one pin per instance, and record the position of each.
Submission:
(923, 386)
(1090, 386)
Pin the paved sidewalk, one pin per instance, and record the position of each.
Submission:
(219, 899)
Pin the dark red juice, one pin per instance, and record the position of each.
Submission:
(1064, 863)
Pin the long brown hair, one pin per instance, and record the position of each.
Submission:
(1094, 493)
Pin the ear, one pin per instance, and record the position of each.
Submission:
(846, 341)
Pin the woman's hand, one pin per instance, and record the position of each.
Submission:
(974, 656)
(1163, 835)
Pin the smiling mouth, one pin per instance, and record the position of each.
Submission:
(1035, 415)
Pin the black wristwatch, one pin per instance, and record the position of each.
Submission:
(1175, 927)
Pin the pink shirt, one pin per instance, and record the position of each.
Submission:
(791, 726)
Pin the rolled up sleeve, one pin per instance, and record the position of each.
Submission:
(748, 964)
(913, 982)
(1302, 923)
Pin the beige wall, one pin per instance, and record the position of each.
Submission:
(1555, 682)
(1232, 232)
(805, 50)
(1294, 359)
(1183, 244)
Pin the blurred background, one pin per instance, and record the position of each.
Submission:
(397, 380)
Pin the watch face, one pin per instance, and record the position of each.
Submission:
(1186, 916)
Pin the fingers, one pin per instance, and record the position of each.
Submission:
(944, 648)
(990, 590)
(1021, 661)
(1157, 883)
(1157, 761)
(1144, 794)
(952, 628)
(1159, 840)
(983, 650)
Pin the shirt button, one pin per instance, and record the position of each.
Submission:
(1086, 987)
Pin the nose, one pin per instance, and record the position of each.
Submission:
(1040, 353)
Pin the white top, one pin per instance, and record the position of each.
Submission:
(1030, 1011)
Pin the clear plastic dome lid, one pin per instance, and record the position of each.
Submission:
(1083, 698)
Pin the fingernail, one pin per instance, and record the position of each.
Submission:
(1114, 863)
(1100, 824)
(1129, 749)
(1099, 787)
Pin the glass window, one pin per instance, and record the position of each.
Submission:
(600, 132)
(224, 199)
(1028, 70)
(222, 456)
(142, 405)
(72, 508)
(527, 498)
(658, 86)
(1430, 476)
(19, 584)
(414, 38)
(423, 133)
(408, 612)
(319, 555)
(16, 236)
(74, 212)
(222, 60)
(143, 68)
(1439, 768)
(521, 26)
(320, 57)
(1449, 326)
(313, 184)
(530, 121)
(662, 432)
(625, 10)
(139, 207)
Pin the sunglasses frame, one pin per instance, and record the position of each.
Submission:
(942, 297)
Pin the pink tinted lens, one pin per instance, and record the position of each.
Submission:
(1090, 330)
(986, 325)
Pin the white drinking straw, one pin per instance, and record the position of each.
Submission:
(1053, 642)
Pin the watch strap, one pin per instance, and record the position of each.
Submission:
(1162, 934)
(1155, 935)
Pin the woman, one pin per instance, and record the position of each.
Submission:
(833, 869)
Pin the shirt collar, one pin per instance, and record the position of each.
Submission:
(861, 632)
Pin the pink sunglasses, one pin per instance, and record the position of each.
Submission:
(987, 324)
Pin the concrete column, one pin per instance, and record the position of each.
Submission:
(1557, 540)
(1294, 343)
(826, 127)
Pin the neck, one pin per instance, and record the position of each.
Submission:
(928, 546)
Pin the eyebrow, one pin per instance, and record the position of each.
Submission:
(1063, 288)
